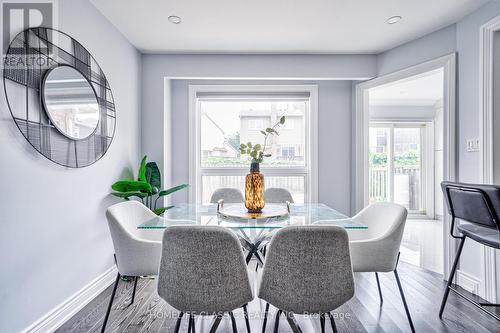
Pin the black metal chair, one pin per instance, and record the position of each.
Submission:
(477, 206)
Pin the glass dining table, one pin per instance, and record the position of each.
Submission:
(253, 233)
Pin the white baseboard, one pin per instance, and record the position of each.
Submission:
(64, 311)
(468, 282)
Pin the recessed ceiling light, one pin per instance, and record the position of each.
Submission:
(174, 19)
(394, 19)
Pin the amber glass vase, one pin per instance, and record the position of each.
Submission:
(254, 190)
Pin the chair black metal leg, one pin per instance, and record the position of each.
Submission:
(106, 317)
(404, 300)
(265, 318)
(277, 321)
(332, 322)
(379, 290)
(216, 323)
(135, 287)
(322, 322)
(178, 323)
(233, 322)
(293, 324)
(249, 256)
(450, 278)
(247, 321)
(190, 323)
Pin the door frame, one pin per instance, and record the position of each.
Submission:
(448, 64)
(486, 44)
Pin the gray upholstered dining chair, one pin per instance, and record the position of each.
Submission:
(137, 251)
(203, 272)
(229, 195)
(376, 249)
(278, 195)
(307, 270)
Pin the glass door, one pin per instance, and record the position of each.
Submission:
(395, 164)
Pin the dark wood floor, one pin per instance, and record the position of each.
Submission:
(363, 313)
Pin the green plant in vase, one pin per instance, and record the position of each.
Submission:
(146, 187)
(254, 181)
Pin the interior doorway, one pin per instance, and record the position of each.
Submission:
(405, 164)
(406, 150)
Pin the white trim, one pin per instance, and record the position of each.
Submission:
(486, 134)
(468, 282)
(64, 311)
(448, 64)
(311, 134)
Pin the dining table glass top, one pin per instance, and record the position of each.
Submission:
(299, 214)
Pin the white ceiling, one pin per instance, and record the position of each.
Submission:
(423, 90)
(279, 26)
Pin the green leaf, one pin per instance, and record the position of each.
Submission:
(131, 186)
(142, 169)
(243, 146)
(153, 175)
(161, 210)
(269, 130)
(257, 147)
(263, 132)
(249, 145)
(282, 120)
(268, 155)
(172, 190)
(127, 195)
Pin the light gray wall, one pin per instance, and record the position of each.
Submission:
(463, 38)
(159, 113)
(54, 237)
(468, 111)
(431, 46)
(334, 130)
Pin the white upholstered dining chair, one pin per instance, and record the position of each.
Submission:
(376, 249)
(137, 251)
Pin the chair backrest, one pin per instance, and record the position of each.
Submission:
(477, 204)
(202, 270)
(123, 219)
(376, 249)
(308, 269)
(384, 220)
(278, 195)
(230, 195)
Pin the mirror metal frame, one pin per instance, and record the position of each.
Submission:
(47, 49)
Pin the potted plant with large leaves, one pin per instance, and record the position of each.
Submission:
(147, 187)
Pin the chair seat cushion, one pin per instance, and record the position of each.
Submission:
(484, 235)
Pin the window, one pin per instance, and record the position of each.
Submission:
(223, 117)
(288, 152)
(396, 168)
(289, 125)
(256, 124)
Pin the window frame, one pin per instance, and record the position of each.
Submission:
(309, 170)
